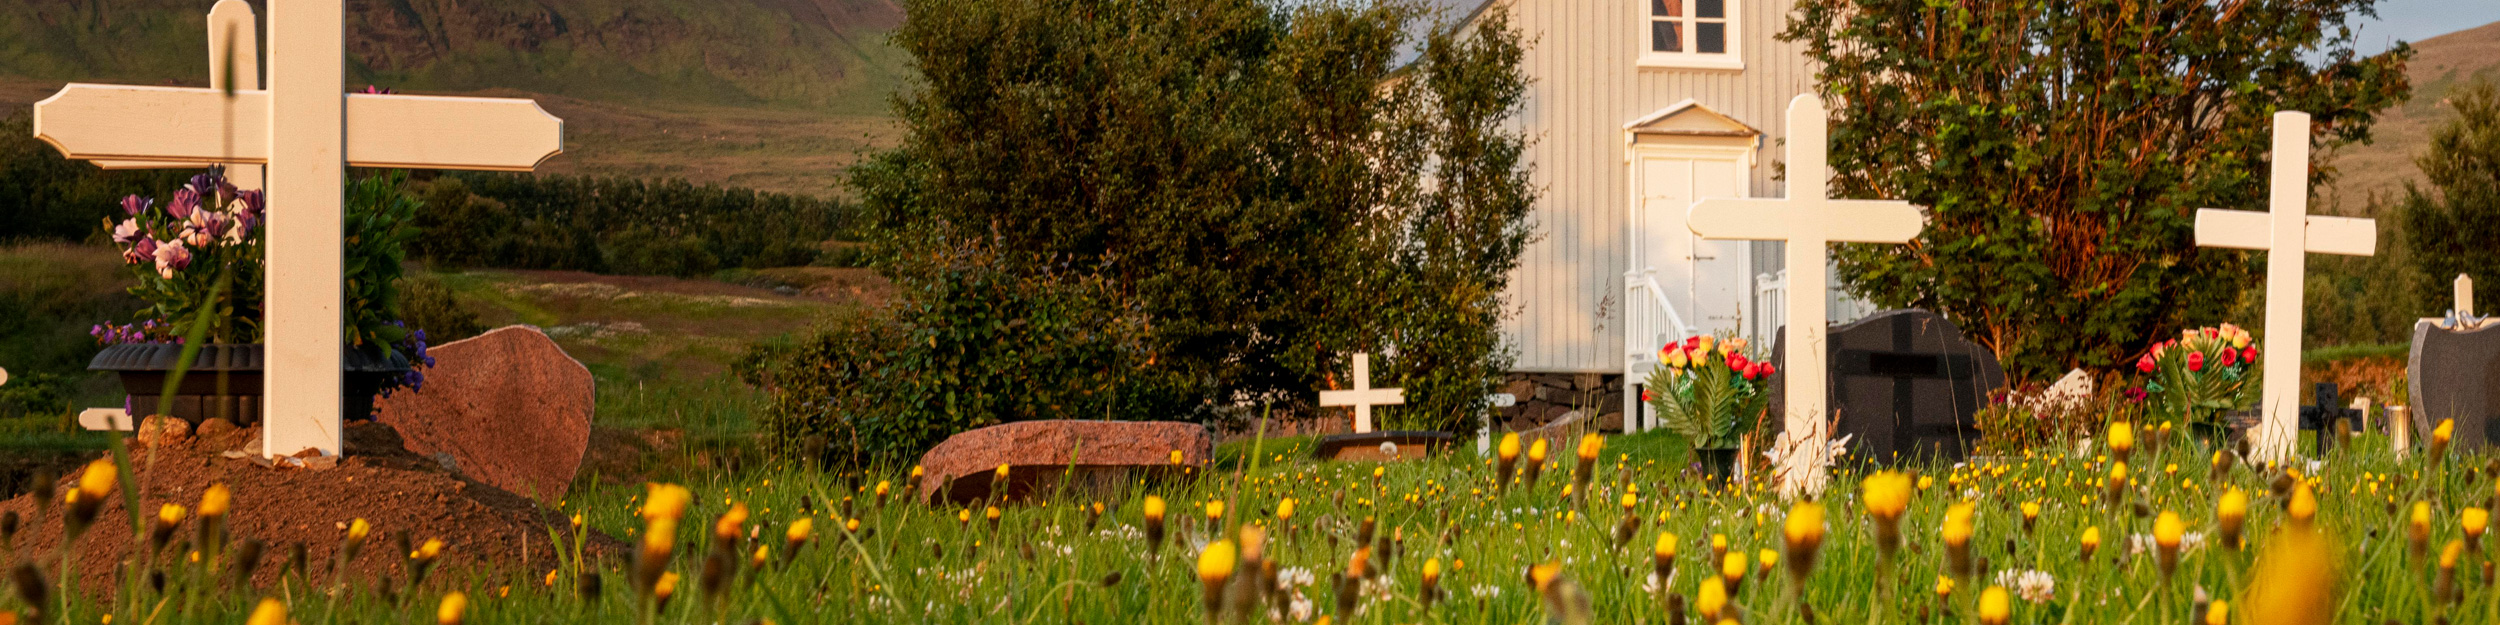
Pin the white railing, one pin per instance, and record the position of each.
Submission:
(1649, 322)
(1770, 305)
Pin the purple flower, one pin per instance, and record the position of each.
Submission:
(371, 89)
(185, 200)
(140, 251)
(255, 203)
(172, 257)
(133, 205)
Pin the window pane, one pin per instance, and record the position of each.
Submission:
(1710, 8)
(1663, 37)
(1666, 8)
(1710, 37)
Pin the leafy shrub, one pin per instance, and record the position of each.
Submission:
(1192, 206)
(426, 304)
(974, 347)
(618, 225)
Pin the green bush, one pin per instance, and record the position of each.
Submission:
(2450, 228)
(425, 303)
(975, 347)
(618, 225)
(1190, 206)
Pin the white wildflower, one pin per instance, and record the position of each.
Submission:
(2032, 585)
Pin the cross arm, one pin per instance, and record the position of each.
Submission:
(188, 125)
(1852, 221)
(2249, 230)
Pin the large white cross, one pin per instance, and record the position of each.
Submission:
(2286, 232)
(1363, 397)
(1809, 220)
(306, 131)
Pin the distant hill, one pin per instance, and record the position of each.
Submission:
(777, 95)
(2380, 169)
(814, 53)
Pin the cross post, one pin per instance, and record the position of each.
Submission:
(1809, 220)
(2464, 296)
(1363, 397)
(2287, 233)
(306, 131)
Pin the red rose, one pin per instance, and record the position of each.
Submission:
(2230, 357)
(1768, 370)
(2144, 364)
(1747, 372)
(2249, 354)
(1645, 395)
(2196, 361)
(1736, 361)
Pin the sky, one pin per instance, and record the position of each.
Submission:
(2416, 20)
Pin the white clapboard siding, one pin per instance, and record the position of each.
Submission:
(1584, 58)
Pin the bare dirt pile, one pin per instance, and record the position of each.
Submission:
(488, 532)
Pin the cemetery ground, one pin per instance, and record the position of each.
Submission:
(2049, 536)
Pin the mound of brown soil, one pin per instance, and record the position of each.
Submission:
(486, 531)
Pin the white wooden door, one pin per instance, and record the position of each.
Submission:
(1704, 280)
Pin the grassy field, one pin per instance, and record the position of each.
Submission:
(2396, 538)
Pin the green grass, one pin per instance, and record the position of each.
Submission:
(2350, 352)
(912, 563)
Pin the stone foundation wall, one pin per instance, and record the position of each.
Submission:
(1543, 398)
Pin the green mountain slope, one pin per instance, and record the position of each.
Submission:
(823, 54)
(776, 95)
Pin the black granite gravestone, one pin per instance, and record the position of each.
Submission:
(1904, 384)
(2455, 374)
(2321, 418)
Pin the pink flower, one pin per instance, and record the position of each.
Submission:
(185, 201)
(2145, 364)
(172, 257)
(126, 231)
(142, 250)
(133, 205)
(2196, 361)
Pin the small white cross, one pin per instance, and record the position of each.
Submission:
(2286, 232)
(1809, 220)
(1363, 397)
(306, 132)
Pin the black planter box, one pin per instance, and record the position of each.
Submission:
(224, 381)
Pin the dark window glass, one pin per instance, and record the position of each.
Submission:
(1662, 37)
(1710, 38)
(1666, 8)
(1710, 8)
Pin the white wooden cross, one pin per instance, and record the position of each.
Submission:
(1809, 220)
(2287, 232)
(1363, 397)
(306, 131)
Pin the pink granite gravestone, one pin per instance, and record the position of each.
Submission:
(509, 408)
(1044, 455)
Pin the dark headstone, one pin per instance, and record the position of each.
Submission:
(1904, 384)
(2321, 418)
(1043, 456)
(1379, 446)
(2455, 374)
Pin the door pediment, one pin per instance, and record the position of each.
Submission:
(1690, 125)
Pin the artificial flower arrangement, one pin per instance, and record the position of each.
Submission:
(199, 261)
(1707, 388)
(2200, 376)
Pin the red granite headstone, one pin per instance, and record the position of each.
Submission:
(509, 406)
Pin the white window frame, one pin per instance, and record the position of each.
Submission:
(1732, 59)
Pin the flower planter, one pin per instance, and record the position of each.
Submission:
(224, 381)
(1716, 464)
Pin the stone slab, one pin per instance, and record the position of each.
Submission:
(1377, 446)
(1043, 455)
(2455, 374)
(509, 406)
(1904, 383)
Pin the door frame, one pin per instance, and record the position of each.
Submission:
(1687, 131)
